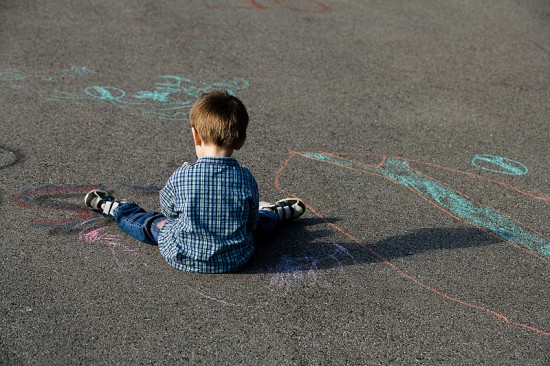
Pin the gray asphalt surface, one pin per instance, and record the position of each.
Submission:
(387, 267)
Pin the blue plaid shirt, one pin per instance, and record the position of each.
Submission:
(211, 208)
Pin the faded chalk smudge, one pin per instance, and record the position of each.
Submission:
(291, 271)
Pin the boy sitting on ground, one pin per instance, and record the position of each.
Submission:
(210, 209)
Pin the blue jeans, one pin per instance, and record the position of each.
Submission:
(145, 225)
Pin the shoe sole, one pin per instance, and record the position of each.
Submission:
(90, 196)
(299, 202)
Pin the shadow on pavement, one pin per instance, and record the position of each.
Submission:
(302, 247)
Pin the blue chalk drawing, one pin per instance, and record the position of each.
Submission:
(44, 77)
(399, 171)
(158, 96)
(75, 71)
(107, 94)
(499, 164)
(11, 75)
(169, 99)
(60, 95)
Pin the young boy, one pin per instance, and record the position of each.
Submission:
(210, 209)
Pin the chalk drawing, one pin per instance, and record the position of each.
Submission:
(169, 99)
(106, 94)
(440, 195)
(12, 74)
(8, 157)
(67, 201)
(305, 6)
(51, 198)
(499, 164)
(76, 71)
(57, 201)
(102, 235)
(65, 204)
(453, 202)
(292, 271)
(289, 272)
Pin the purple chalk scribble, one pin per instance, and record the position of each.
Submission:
(291, 271)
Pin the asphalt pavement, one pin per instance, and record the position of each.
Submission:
(416, 131)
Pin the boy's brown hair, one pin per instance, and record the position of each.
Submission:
(220, 119)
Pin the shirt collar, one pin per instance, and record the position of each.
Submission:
(219, 161)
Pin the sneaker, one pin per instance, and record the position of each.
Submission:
(102, 202)
(287, 209)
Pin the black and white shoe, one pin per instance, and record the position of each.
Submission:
(101, 202)
(286, 209)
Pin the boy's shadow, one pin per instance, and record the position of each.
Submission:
(302, 246)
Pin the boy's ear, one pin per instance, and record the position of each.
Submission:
(196, 136)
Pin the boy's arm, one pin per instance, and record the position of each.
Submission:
(253, 209)
(167, 203)
(167, 198)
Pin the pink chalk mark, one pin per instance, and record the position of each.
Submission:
(102, 236)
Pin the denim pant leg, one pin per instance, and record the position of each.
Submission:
(138, 223)
(267, 224)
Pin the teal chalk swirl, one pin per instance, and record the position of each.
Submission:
(499, 164)
(169, 99)
(399, 171)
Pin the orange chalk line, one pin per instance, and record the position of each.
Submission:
(388, 262)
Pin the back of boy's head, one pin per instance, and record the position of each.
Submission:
(220, 119)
